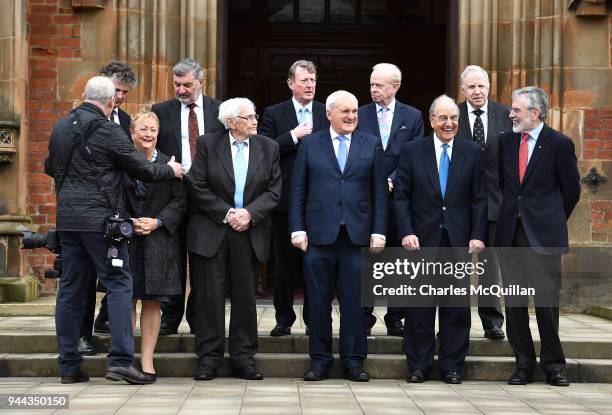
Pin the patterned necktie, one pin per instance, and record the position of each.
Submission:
(240, 173)
(383, 126)
(523, 156)
(194, 131)
(443, 170)
(478, 133)
(342, 152)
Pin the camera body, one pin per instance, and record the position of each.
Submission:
(117, 230)
(49, 240)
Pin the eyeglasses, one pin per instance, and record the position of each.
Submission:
(249, 117)
(445, 118)
(518, 110)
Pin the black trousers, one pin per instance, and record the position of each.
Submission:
(208, 280)
(489, 307)
(527, 268)
(287, 271)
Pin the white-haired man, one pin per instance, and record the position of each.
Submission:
(235, 182)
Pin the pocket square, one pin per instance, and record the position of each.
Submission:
(403, 127)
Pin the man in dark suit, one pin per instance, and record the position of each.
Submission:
(338, 204)
(441, 202)
(395, 124)
(235, 182)
(287, 123)
(540, 184)
(182, 120)
(124, 79)
(482, 121)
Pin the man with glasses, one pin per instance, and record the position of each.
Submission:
(234, 182)
(540, 185)
(440, 202)
(287, 123)
(482, 121)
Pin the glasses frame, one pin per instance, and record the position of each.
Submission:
(250, 117)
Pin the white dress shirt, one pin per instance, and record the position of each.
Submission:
(185, 149)
(483, 117)
(438, 146)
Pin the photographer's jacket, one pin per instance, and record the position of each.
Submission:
(81, 205)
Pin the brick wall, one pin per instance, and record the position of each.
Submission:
(597, 135)
(54, 35)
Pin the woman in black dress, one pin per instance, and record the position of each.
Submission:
(156, 210)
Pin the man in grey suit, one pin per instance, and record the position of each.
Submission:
(482, 121)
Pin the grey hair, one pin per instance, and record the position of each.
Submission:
(231, 109)
(308, 65)
(537, 98)
(185, 66)
(394, 71)
(443, 97)
(99, 89)
(121, 72)
(330, 102)
(474, 69)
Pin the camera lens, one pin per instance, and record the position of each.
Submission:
(126, 229)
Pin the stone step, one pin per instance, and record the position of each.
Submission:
(291, 365)
(28, 342)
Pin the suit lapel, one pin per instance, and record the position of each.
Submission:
(537, 152)
(318, 115)
(355, 148)
(456, 166)
(289, 114)
(373, 119)
(328, 149)
(255, 159)
(174, 113)
(209, 114)
(491, 121)
(431, 165)
(398, 115)
(224, 153)
(464, 122)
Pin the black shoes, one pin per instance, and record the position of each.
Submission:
(556, 378)
(356, 374)
(315, 374)
(85, 348)
(452, 378)
(279, 331)
(416, 376)
(395, 328)
(152, 377)
(101, 327)
(249, 373)
(205, 373)
(520, 377)
(76, 377)
(494, 333)
(130, 374)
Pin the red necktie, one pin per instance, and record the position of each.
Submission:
(194, 131)
(523, 156)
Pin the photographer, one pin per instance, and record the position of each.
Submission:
(87, 156)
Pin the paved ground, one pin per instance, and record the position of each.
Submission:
(291, 396)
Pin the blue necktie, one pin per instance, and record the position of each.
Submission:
(342, 152)
(302, 115)
(443, 171)
(240, 173)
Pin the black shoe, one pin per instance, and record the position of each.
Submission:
(130, 374)
(249, 373)
(279, 331)
(85, 348)
(205, 373)
(452, 378)
(151, 376)
(76, 377)
(316, 373)
(520, 377)
(356, 374)
(416, 376)
(494, 333)
(166, 330)
(556, 378)
(395, 328)
(101, 327)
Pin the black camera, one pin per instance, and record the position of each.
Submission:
(50, 240)
(118, 230)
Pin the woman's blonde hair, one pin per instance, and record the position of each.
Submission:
(142, 115)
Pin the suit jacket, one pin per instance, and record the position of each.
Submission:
(547, 196)
(169, 114)
(211, 184)
(277, 122)
(407, 125)
(498, 122)
(419, 206)
(168, 202)
(322, 197)
(125, 120)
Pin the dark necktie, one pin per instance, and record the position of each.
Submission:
(112, 116)
(194, 131)
(478, 133)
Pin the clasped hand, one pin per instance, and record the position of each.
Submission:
(239, 219)
(144, 226)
